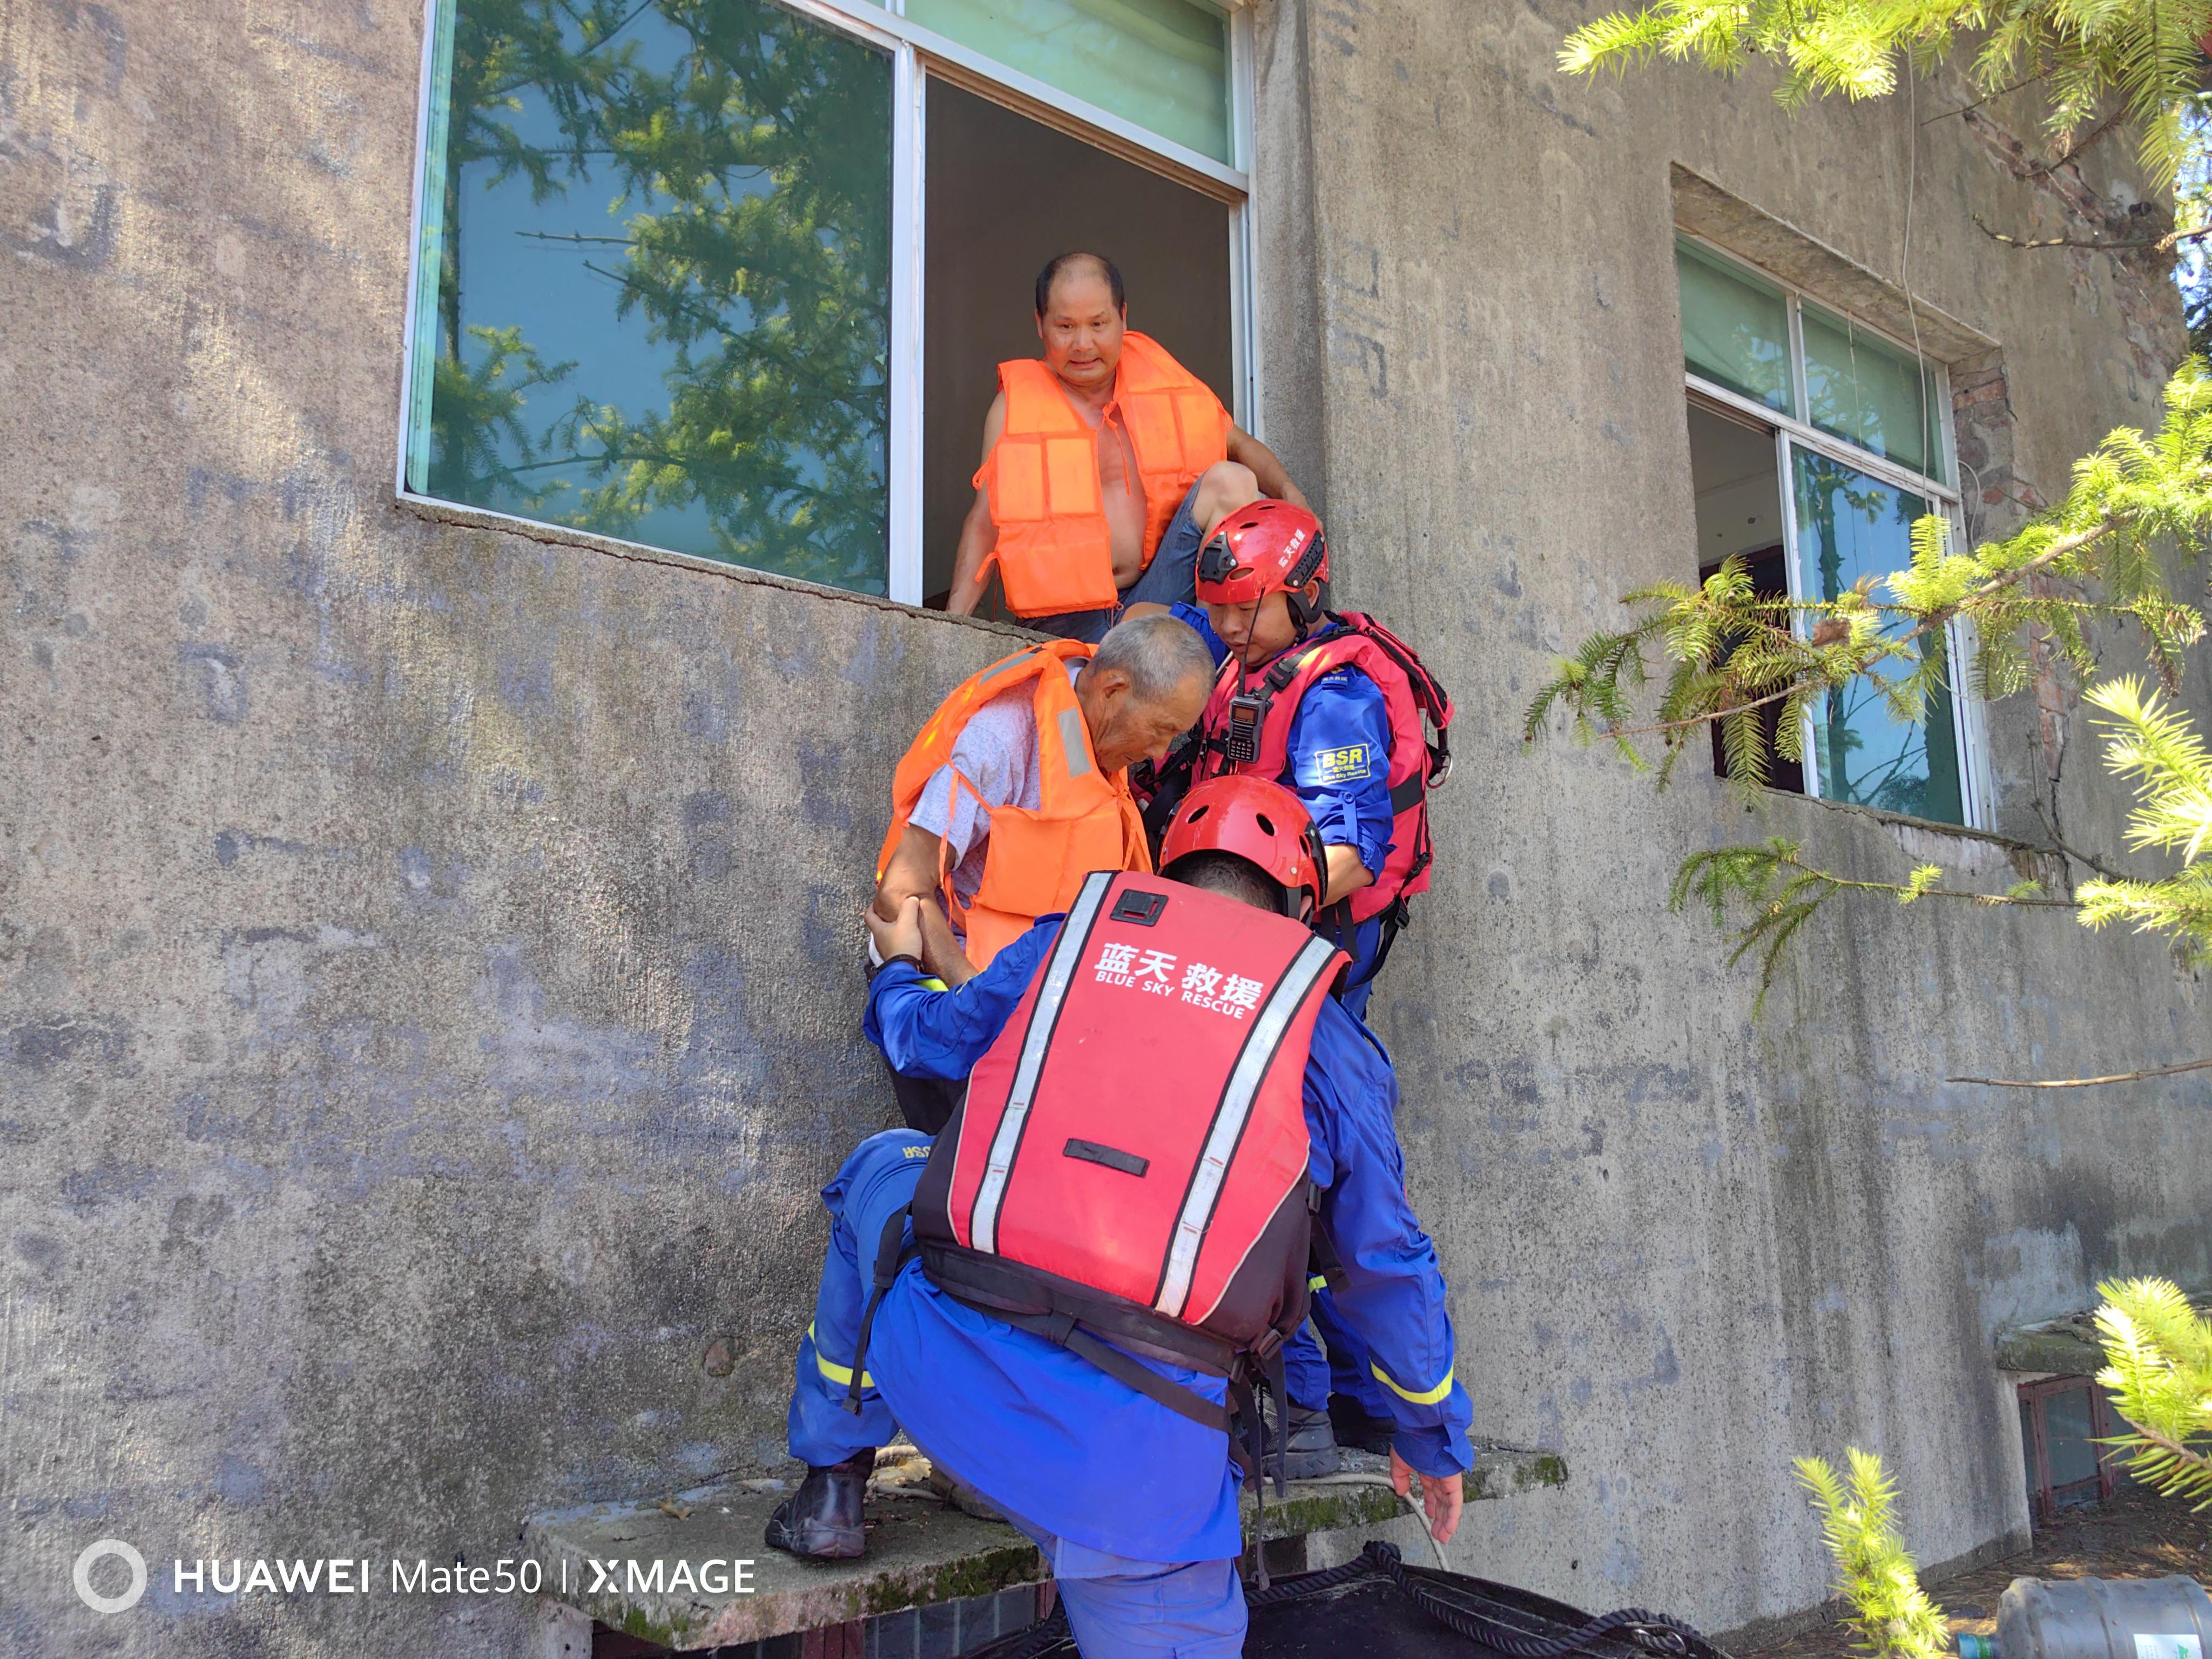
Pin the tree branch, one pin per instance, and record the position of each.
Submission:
(2069, 241)
(2091, 1082)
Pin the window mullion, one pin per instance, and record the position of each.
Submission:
(903, 456)
(1799, 395)
(1785, 463)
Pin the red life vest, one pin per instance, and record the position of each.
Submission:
(1246, 727)
(1132, 1153)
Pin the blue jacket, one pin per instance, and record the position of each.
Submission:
(1338, 753)
(1053, 1439)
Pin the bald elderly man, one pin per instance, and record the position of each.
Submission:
(1106, 464)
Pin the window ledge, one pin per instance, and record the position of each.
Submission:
(1974, 851)
(586, 541)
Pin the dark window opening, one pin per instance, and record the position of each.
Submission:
(1005, 194)
(1735, 475)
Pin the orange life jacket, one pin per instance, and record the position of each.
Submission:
(1041, 476)
(1036, 857)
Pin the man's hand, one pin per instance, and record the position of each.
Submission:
(901, 937)
(1440, 1497)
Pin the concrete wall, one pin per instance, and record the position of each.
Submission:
(428, 980)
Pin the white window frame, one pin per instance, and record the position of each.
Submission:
(917, 53)
(1969, 729)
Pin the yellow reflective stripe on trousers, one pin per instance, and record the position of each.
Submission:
(836, 1373)
(1426, 1397)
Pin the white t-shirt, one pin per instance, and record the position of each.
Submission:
(997, 753)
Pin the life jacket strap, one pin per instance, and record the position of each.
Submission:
(892, 1253)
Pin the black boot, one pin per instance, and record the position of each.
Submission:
(1354, 1427)
(822, 1519)
(1311, 1452)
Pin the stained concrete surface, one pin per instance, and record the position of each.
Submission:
(428, 982)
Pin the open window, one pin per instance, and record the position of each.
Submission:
(729, 277)
(1815, 444)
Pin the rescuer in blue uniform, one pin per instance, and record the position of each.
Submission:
(1331, 707)
(1134, 1505)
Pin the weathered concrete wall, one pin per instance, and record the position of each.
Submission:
(428, 983)
(1685, 1247)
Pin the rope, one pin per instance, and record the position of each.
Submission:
(1655, 1632)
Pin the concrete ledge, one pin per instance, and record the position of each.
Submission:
(2060, 1347)
(636, 1567)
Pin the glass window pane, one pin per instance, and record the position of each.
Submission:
(1850, 526)
(1863, 389)
(1735, 330)
(2069, 1435)
(663, 269)
(1162, 63)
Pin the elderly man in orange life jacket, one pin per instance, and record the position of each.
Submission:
(1104, 466)
(1018, 788)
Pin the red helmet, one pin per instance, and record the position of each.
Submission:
(1269, 547)
(1259, 821)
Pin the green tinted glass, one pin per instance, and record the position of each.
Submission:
(1736, 330)
(1161, 64)
(658, 234)
(1863, 389)
(1850, 526)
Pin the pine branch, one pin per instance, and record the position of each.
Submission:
(2085, 1082)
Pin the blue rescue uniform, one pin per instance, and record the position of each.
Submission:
(1134, 1505)
(1339, 766)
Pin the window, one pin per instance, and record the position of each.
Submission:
(2063, 1420)
(678, 260)
(1814, 444)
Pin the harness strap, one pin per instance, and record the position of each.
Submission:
(892, 1253)
(1409, 793)
(1063, 1329)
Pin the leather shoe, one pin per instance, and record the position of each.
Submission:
(1354, 1427)
(822, 1520)
(1310, 1451)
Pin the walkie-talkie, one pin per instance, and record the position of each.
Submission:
(1242, 743)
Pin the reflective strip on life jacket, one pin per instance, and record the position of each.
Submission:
(1053, 550)
(1052, 991)
(1229, 1117)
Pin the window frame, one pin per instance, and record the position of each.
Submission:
(1792, 432)
(917, 54)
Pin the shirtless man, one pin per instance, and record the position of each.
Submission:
(1104, 467)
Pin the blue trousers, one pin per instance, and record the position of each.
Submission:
(1118, 1607)
(1170, 579)
(1346, 1371)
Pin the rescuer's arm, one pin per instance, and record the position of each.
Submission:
(925, 1032)
(1393, 1290)
(1340, 753)
(978, 535)
(1247, 451)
